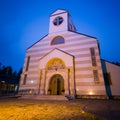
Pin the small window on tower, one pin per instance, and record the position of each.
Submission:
(58, 20)
(57, 40)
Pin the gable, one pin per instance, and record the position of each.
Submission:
(56, 53)
(59, 11)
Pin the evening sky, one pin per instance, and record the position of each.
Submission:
(23, 22)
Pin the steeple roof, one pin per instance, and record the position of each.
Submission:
(59, 11)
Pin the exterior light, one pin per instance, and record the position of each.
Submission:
(32, 81)
(77, 89)
(90, 93)
(30, 91)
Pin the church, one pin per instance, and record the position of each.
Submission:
(65, 62)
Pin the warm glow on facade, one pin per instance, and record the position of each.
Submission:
(90, 93)
(64, 62)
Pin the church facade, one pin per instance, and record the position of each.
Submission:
(64, 62)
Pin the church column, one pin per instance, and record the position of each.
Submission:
(42, 86)
(67, 90)
(72, 82)
(46, 82)
(40, 73)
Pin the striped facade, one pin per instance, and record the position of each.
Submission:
(84, 78)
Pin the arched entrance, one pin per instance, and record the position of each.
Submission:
(56, 85)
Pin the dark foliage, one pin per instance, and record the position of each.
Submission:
(7, 73)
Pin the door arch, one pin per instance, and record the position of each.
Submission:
(56, 85)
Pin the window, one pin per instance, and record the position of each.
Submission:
(57, 40)
(95, 74)
(27, 65)
(25, 78)
(92, 51)
(58, 20)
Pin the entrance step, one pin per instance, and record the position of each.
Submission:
(45, 97)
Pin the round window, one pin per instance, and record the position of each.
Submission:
(58, 20)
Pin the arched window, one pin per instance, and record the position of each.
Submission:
(57, 40)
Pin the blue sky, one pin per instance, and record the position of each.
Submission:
(23, 22)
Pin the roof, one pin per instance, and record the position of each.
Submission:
(83, 34)
(59, 11)
(68, 30)
(37, 41)
(114, 63)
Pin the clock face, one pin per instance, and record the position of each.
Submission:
(58, 20)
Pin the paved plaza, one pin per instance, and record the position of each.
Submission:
(12, 109)
(109, 109)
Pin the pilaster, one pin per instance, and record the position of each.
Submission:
(67, 85)
(42, 85)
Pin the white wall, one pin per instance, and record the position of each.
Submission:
(114, 71)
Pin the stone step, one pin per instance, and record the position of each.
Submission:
(45, 97)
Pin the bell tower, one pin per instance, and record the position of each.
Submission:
(60, 21)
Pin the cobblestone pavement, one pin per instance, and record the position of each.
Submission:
(109, 109)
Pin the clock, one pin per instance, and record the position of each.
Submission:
(58, 20)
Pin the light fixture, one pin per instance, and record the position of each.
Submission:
(90, 93)
(32, 81)
(77, 89)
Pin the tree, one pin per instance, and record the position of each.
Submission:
(8, 79)
(19, 74)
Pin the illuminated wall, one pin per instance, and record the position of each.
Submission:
(112, 78)
(85, 69)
